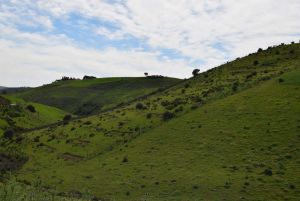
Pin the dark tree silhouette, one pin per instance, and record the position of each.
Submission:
(146, 74)
(86, 77)
(196, 72)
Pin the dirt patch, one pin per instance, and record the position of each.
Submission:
(80, 142)
(71, 157)
(46, 148)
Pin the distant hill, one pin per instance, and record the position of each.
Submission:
(13, 89)
(88, 96)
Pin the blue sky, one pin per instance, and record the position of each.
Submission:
(41, 41)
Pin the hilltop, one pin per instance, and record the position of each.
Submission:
(231, 132)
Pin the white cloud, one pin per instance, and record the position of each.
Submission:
(191, 27)
(42, 59)
(112, 35)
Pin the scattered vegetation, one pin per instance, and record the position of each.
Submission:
(239, 142)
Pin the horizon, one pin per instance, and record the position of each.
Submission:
(41, 41)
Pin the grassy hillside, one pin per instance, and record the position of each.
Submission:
(231, 133)
(90, 96)
(14, 191)
(15, 114)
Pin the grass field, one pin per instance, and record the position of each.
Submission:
(14, 191)
(231, 133)
(15, 115)
(90, 96)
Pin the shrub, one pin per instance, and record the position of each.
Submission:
(168, 115)
(268, 172)
(259, 50)
(255, 63)
(36, 139)
(254, 73)
(67, 117)
(87, 123)
(194, 107)
(280, 80)
(186, 86)
(149, 115)
(125, 159)
(235, 86)
(179, 109)
(9, 134)
(140, 106)
(31, 108)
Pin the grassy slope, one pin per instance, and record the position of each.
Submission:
(23, 118)
(89, 152)
(14, 191)
(104, 92)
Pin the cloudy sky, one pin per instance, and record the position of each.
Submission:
(42, 40)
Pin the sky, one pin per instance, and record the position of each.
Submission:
(43, 40)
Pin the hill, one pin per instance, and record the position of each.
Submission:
(229, 133)
(83, 97)
(223, 140)
(18, 114)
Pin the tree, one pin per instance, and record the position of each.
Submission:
(86, 77)
(9, 134)
(31, 108)
(195, 72)
(67, 117)
(146, 74)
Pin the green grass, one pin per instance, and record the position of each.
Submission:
(91, 96)
(14, 191)
(20, 117)
(224, 136)
(208, 154)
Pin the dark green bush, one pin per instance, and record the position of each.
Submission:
(255, 63)
(67, 117)
(168, 115)
(149, 115)
(31, 108)
(9, 134)
(125, 159)
(140, 106)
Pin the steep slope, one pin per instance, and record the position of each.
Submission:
(202, 151)
(90, 96)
